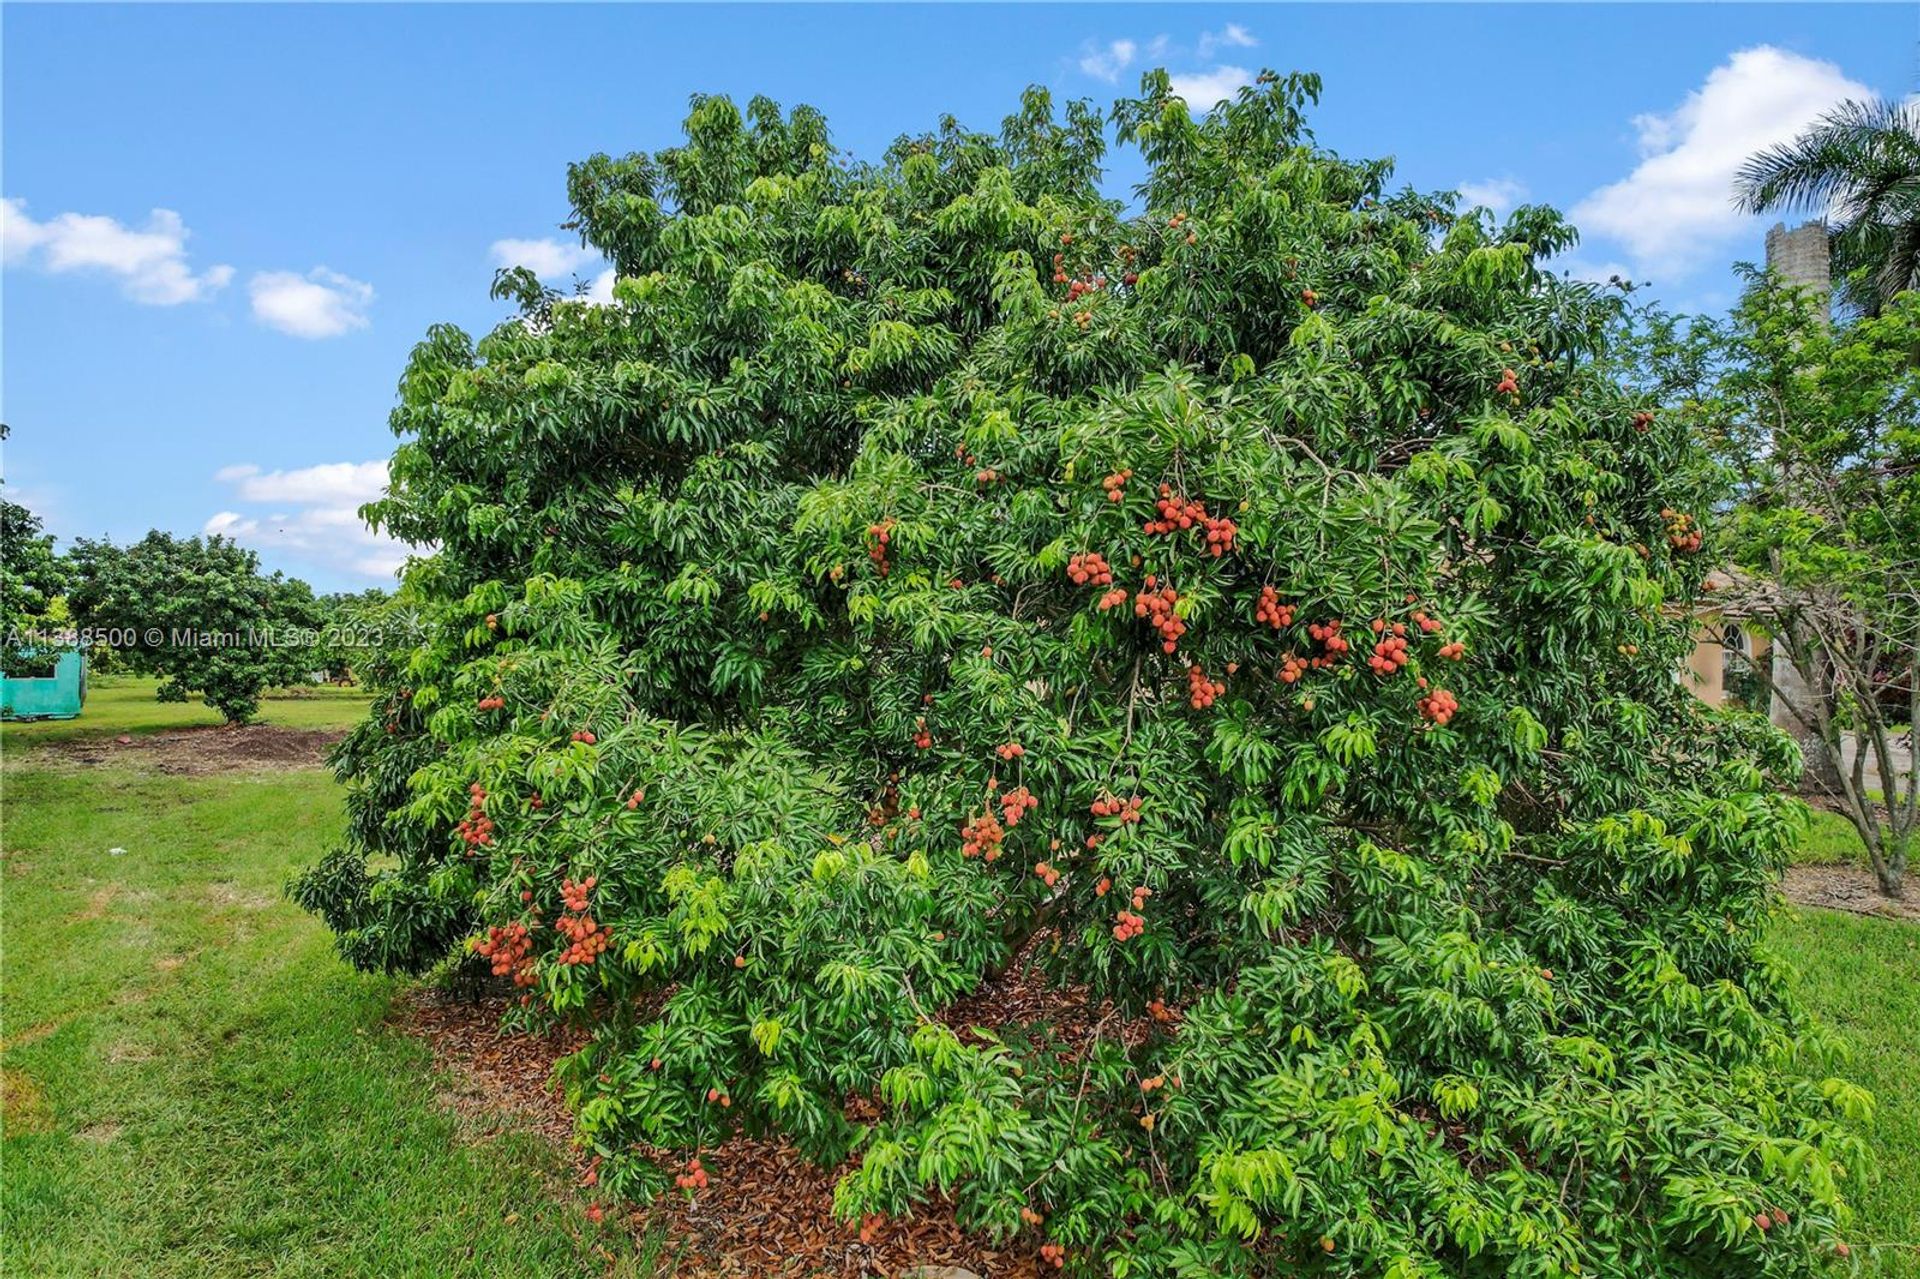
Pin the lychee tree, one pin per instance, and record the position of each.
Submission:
(1256, 607)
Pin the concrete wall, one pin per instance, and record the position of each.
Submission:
(1800, 255)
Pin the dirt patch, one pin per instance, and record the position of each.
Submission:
(33, 1034)
(99, 1134)
(126, 1052)
(23, 1107)
(96, 907)
(768, 1211)
(225, 892)
(1848, 888)
(199, 752)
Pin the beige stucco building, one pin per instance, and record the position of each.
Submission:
(1716, 675)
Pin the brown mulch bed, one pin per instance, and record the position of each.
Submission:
(768, 1211)
(200, 752)
(1848, 888)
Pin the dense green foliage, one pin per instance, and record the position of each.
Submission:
(198, 613)
(31, 578)
(921, 557)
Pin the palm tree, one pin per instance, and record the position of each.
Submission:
(1858, 167)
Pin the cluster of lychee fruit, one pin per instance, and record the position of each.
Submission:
(1642, 421)
(1390, 652)
(1156, 604)
(508, 947)
(1682, 533)
(882, 536)
(580, 928)
(1177, 512)
(694, 1178)
(1054, 1254)
(1328, 636)
(1201, 691)
(1090, 569)
(1127, 810)
(1439, 706)
(493, 703)
(1454, 652)
(1075, 286)
(1271, 611)
(1128, 925)
(1509, 383)
(1047, 873)
(1010, 751)
(585, 736)
(981, 837)
(922, 739)
(1015, 804)
(476, 828)
(1116, 484)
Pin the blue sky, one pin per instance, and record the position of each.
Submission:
(225, 225)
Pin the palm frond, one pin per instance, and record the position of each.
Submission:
(1853, 145)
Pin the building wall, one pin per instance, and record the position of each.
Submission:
(1705, 668)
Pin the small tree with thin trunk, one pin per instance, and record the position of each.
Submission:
(1819, 429)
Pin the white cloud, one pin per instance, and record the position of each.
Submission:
(1201, 90)
(1106, 62)
(601, 292)
(319, 304)
(1676, 208)
(317, 522)
(150, 262)
(1232, 36)
(340, 483)
(545, 258)
(1497, 194)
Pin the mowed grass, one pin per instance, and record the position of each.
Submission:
(126, 704)
(1830, 840)
(196, 1086)
(1862, 975)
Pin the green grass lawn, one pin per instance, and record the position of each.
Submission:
(126, 704)
(195, 1086)
(1863, 976)
(1831, 840)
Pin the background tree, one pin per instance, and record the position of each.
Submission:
(31, 579)
(1858, 167)
(350, 620)
(1258, 613)
(207, 620)
(1818, 429)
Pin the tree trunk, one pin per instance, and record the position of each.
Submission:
(1791, 689)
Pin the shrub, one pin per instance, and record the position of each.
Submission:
(1262, 604)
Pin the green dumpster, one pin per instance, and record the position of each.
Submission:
(56, 696)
